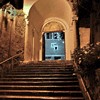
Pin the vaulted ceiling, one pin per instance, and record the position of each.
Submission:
(44, 10)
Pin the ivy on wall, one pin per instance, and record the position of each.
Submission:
(10, 14)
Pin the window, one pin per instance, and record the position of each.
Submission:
(57, 58)
(47, 57)
(48, 35)
(55, 35)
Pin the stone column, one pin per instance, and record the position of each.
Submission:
(36, 45)
(28, 49)
(33, 32)
(75, 18)
(40, 50)
(26, 42)
(1, 22)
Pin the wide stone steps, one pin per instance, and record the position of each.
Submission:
(39, 98)
(42, 93)
(42, 80)
(38, 75)
(43, 69)
(39, 87)
(27, 73)
(39, 83)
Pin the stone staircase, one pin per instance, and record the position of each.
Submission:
(41, 80)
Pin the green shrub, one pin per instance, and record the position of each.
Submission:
(88, 57)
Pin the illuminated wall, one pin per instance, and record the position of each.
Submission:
(27, 5)
(48, 16)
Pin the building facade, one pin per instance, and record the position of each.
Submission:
(53, 29)
(57, 19)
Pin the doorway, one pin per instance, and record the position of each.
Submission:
(54, 45)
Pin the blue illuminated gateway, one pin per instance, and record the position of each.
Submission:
(54, 46)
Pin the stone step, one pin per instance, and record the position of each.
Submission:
(45, 68)
(40, 75)
(39, 87)
(9, 97)
(42, 93)
(40, 72)
(40, 79)
(41, 69)
(39, 83)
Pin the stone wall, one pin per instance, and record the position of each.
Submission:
(18, 36)
(11, 36)
(84, 36)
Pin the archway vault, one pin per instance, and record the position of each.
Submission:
(47, 16)
(53, 26)
(44, 9)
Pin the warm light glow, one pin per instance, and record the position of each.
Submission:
(0, 14)
(45, 12)
(27, 5)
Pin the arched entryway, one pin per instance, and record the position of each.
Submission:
(53, 39)
(53, 45)
(49, 17)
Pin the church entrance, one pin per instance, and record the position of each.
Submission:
(50, 34)
(54, 45)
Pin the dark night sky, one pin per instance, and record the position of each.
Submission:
(18, 4)
(84, 6)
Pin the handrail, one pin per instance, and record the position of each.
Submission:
(8, 64)
(82, 84)
(11, 58)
